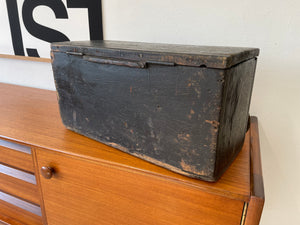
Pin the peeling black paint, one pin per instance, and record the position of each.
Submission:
(191, 120)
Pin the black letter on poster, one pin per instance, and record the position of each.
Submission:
(15, 29)
(40, 31)
(95, 15)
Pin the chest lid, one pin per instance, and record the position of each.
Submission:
(187, 55)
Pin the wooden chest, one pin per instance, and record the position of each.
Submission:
(184, 108)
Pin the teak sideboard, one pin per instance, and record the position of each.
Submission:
(50, 175)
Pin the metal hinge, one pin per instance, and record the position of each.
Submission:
(75, 53)
(117, 62)
(162, 63)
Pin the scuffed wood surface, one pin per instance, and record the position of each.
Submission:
(189, 119)
(238, 83)
(161, 114)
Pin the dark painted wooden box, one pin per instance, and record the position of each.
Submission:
(184, 108)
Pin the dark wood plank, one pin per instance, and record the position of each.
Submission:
(257, 198)
(18, 174)
(156, 114)
(189, 119)
(234, 112)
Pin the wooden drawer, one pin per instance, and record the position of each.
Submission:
(19, 183)
(86, 192)
(16, 211)
(16, 155)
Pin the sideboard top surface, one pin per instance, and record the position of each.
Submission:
(31, 116)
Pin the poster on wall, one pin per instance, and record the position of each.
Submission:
(29, 26)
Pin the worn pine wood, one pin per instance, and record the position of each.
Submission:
(40, 109)
(257, 198)
(17, 159)
(186, 114)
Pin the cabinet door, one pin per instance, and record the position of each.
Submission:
(82, 191)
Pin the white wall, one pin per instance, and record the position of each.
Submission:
(271, 25)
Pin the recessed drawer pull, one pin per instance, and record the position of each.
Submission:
(16, 155)
(30, 178)
(15, 146)
(20, 203)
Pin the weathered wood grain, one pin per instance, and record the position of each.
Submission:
(190, 55)
(185, 117)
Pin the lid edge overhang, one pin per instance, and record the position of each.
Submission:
(113, 49)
